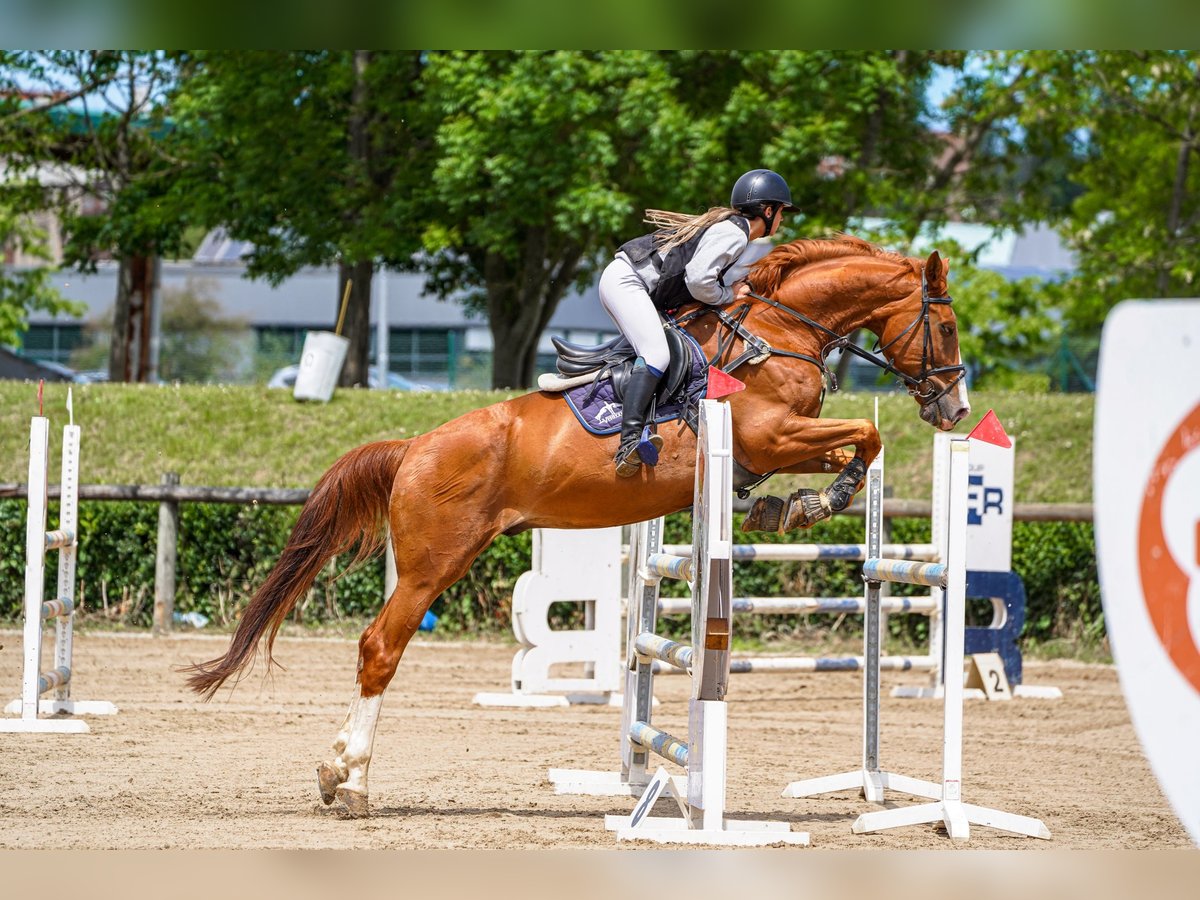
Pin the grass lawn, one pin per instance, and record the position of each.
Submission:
(257, 437)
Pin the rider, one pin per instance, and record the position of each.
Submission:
(686, 259)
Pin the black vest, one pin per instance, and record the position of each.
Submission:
(671, 290)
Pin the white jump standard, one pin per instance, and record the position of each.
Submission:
(61, 609)
(700, 794)
(870, 779)
(948, 806)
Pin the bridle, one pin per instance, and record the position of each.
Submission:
(919, 386)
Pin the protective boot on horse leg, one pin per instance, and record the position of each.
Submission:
(806, 507)
(640, 443)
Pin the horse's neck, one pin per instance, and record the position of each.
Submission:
(850, 307)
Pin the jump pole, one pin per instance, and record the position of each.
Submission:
(929, 605)
(38, 541)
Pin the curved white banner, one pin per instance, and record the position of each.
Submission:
(1147, 501)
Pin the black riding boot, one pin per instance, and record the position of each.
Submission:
(639, 394)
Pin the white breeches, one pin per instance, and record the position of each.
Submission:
(623, 296)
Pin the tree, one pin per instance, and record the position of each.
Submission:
(1134, 117)
(23, 290)
(99, 119)
(1104, 146)
(546, 164)
(315, 158)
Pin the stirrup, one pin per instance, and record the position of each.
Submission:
(649, 444)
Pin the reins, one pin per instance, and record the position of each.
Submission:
(757, 350)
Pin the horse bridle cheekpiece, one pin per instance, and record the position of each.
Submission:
(919, 386)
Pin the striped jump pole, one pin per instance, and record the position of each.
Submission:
(61, 609)
(917, 555)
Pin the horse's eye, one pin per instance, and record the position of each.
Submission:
(947, 329)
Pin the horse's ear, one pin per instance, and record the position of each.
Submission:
(934, 268)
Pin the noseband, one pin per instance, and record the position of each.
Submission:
(919, 385)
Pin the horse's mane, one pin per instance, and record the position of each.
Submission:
(768, 273)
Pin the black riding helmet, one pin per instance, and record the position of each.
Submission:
(757, 189)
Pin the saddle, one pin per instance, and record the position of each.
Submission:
(593, 380)
(579, 364)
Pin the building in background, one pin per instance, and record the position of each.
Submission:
(429, 340)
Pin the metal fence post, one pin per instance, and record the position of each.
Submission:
(164, 559)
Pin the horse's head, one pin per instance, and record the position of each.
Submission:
(920, 339)
(838, 285)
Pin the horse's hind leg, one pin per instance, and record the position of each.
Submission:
(442, 562)
(344, 777)
(331, 774)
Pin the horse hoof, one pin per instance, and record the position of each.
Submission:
(355, 803)
(806, 508)
(327, 781)
(764, 515)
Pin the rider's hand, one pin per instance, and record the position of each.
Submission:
(740, 290)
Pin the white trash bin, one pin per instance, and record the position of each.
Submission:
(320, 365)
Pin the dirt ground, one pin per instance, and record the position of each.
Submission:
(171, 772)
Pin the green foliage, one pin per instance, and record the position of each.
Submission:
(28, 289)
(1057, 561)
(509, 176)
(226, 551)
(1100, 144)
(273, 158)
(101, 126)
(545, 163)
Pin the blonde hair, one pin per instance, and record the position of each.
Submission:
(675, 228)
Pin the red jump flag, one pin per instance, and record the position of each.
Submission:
(721, 384)
(990, 431)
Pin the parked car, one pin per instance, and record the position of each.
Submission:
(91, 376)
(286, 378)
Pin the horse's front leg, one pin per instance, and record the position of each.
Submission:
(811, 446)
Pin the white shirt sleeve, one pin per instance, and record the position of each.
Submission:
(721, 246)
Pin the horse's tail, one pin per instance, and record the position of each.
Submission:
(347, 507)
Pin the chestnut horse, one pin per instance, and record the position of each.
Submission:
(526, 463)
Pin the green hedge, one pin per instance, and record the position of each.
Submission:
(226, 550)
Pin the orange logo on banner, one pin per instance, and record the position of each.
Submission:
(1164, 583)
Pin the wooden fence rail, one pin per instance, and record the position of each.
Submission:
(892, 508)
(170, 493)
